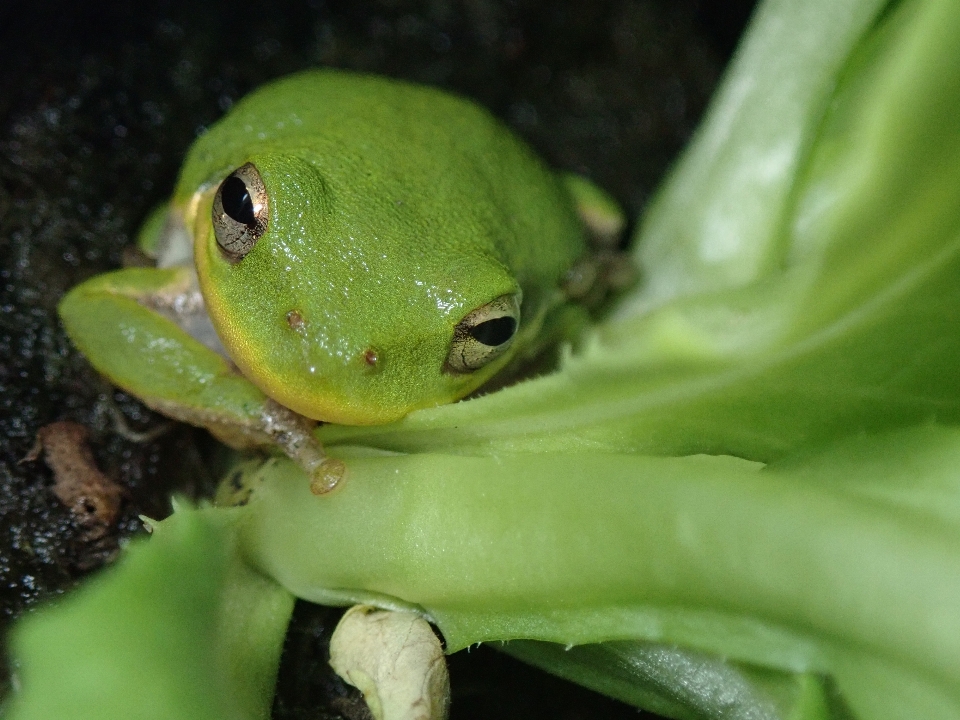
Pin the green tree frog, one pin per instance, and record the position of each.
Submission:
(341, 248)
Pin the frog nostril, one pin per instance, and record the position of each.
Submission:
(295, 320)
(370, 357)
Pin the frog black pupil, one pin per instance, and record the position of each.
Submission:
(236, 201)
(494, 332)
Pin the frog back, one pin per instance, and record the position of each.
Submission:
(431, 175)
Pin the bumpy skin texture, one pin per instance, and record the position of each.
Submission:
(395, 211)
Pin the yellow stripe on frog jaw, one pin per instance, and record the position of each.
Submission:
(191, 207)
(196, 215)
(328, 408)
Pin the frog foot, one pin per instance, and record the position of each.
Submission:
(293, 433)
(326, 476)
(591, 280)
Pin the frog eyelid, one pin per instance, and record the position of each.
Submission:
(240, 213)
(484, 335)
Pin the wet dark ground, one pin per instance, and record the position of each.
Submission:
(98, 104)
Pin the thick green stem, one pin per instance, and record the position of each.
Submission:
(778, 567)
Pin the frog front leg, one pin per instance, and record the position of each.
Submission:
(146, 330)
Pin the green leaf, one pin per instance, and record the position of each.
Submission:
(179, 628)
(684, 684)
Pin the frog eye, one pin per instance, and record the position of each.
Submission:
(240, 212)
(484, 335)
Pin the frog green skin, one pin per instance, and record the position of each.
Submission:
(363, 248)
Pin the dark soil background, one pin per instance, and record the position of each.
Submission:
(98, 103)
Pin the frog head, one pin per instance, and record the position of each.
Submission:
(350, 293)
